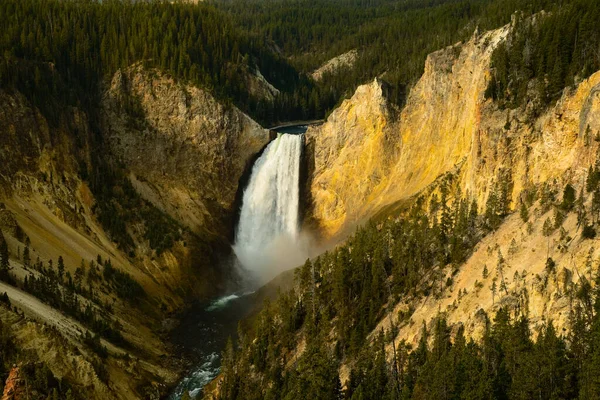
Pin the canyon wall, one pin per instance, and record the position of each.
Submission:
(184, 150)
(369, 156)
(183, 153)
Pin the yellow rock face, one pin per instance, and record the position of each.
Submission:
(540, 294)
(368, 155)
(350, 152)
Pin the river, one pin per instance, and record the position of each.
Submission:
(203, 334)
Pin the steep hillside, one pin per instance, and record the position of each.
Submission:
(172, 151)
(370, 159)
(389, 155)
(343, 61)
(111, 226)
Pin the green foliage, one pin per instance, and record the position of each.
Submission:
(114, 196)
(393, 38)
(569, 197)
(588, 232)
(101, 370)
(94, 343)
(497, 206)
(3, 253)
(548, 197)
(162, 231)
(370, 375)
(345, 291)
(38, 380)
(41, 383)
(340, 297)
(47, 287)
(125, 286)
(26, 256)
(4, 262)
(118, 206)
(315, 377)
(58, 53)
(592, 180)
(550, 265)
(5, 299)
(548, 227)
(7, 349)
(546, 54)
(524, 212)
(508, 363)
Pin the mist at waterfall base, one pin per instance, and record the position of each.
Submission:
(268, 239)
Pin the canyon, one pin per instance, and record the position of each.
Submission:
(179, 155)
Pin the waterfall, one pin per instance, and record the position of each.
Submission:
(266, 240)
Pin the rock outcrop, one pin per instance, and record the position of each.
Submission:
(370, 158)
(530, 287)
(349, 157)
(258, 86)
(185, 151)
(345, 60)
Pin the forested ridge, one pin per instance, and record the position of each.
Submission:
(393, 38)
(61, 51)
(59, 54)
(546, 54)
(76, 295)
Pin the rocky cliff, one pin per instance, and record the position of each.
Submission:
(345, 60)
(184, 150)
(368, 155)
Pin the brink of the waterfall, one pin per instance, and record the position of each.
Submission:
(267, 236)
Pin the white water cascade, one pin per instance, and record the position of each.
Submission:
(266, 240)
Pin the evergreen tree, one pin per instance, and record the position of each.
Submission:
(524, 212)
(26, 256)
(4, 264)
(61, 268)
(569, 197)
